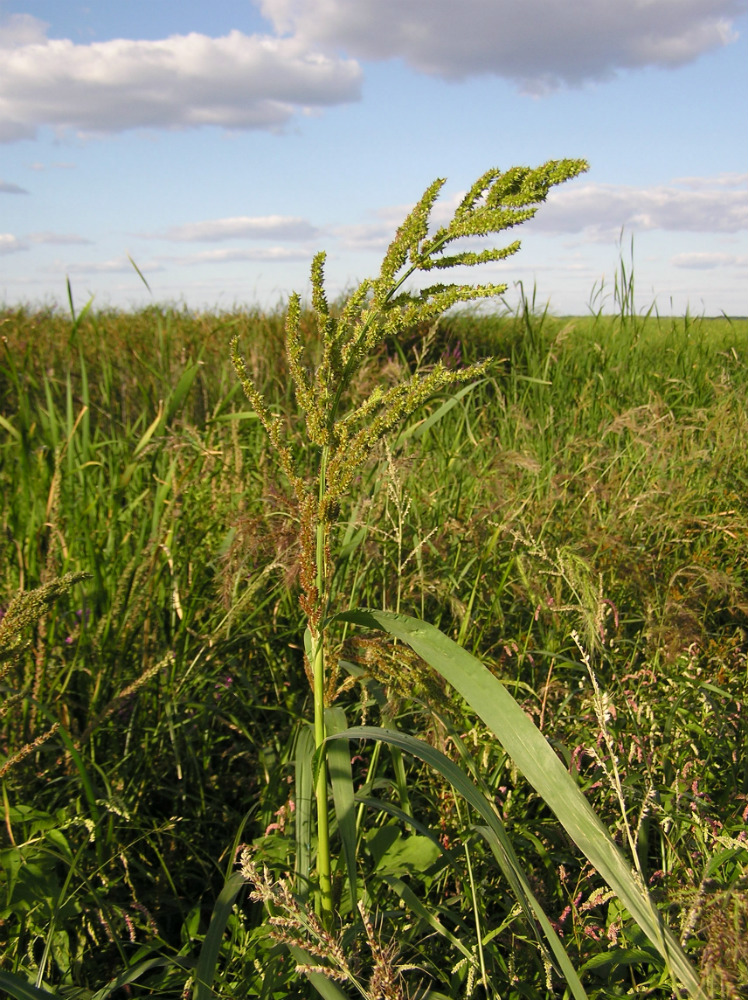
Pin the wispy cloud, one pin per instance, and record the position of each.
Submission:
(709, 261)
(115, 265)
(733, 180)
(539, 44)
(37, 166)
(58, 239)
(237, 81)
(263, 227)
(269, 254)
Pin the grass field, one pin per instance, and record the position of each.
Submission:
(578, 520)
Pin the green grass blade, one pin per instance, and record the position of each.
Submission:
(205, 970)
(149, 432)
(534, 757)
(183, 386)
(140, 274)
(303, 814)
(503, 849)
(131, 975)
(8, 426)
(341, 779)
(415, 905)
(21, 989)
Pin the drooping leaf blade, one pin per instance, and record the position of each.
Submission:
(503, 850)
(537, 761)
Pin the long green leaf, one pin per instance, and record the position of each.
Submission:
(205, 969)
(183, 386)
(21, 989)
(424, 913)
(532, 754)
(303, 813)
(503, 850)
(341, 779)
(135, 972)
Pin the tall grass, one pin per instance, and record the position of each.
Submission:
(580, 509)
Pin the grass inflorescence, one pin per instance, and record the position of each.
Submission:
(576, 518)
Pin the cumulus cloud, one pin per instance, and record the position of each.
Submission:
(18, 30)
(539, 44)
(267, 227)
(237, 81)
(7, 188)
(365, 236)
(600, 211)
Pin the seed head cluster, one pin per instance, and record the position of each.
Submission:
(346, 430)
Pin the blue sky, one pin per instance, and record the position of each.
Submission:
(220, 145)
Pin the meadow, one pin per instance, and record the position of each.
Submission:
(575, 516)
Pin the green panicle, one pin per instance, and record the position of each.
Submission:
(295, 353)
(406, 243)
(476, 192)
(27, 608)
(255, 398)
(467, 258)
(344, 432)
(379, 414)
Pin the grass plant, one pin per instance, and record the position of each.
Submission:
(570, 522)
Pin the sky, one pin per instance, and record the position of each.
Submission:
(199, 154)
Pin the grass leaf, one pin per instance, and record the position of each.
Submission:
(503, 850)
(532, 754)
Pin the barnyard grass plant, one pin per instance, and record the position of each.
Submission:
(338, 436)
(344, 431)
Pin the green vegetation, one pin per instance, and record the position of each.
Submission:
(574, 516)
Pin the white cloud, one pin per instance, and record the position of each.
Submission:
(268, 227)
(719, 180)
(18, 30)
(365, 236)
(11, 244)
(115, 265)
(600, 211)
(235, 82)
(270, 254)
(539, 44)
(709, 261)
(7, 188)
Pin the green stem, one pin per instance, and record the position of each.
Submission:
(320, 791)
(318, 673)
